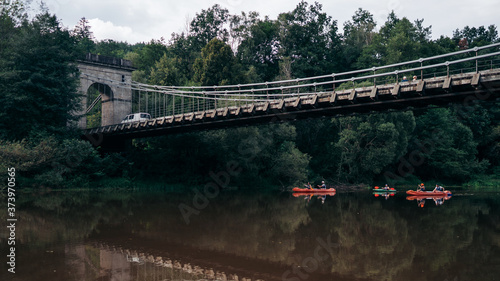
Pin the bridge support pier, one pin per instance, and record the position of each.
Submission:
(108, 72)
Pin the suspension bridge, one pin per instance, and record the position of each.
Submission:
(461, 77)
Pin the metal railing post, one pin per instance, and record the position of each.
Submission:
(475, 49)
(333, 84)
(267, 91)
(421, 68)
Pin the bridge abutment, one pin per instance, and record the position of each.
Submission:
(117, 101)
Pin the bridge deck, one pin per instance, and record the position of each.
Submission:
(462, 88)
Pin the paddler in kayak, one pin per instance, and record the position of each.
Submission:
(308, 185)
(323, 185)
(438, 188)
(386, 187)
(421, 187)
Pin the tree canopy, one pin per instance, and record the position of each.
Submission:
(38, 79)
(38, 88)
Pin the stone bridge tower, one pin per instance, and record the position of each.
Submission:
(106, 73)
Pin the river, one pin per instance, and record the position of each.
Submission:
(250, 235)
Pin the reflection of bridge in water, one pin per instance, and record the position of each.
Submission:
(116, 263)
(126, 264)
(459, 77)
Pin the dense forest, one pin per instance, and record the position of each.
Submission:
(38, 94)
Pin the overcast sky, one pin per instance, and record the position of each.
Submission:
(142, 20)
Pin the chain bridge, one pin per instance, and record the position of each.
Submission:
(461, 77)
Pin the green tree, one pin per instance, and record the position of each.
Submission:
(182, 48)
(470, 37)
(216, 65)
(289, 166)
(210, 24)
(112, 48)
(309, 37)
(240, 26)
(165, 73)
(366, 146)
(38, 77)
(149, 54)
(84, 37)
(260, 49)
(358, 33)
(450, 152)
(398, 40)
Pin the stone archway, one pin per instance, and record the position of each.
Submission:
(112, 75)
(95, 95)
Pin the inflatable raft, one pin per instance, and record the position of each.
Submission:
(384, 190)
(429, 194)
(298, 194)
(314, 190)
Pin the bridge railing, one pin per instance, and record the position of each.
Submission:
(108, 60)
(171, 100)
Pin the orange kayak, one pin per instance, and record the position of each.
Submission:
(298, 194)
(314, 190)
(429, 193)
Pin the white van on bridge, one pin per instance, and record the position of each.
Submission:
(136, 117)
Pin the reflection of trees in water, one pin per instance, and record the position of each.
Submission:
(372, 241)
(64, 216)
(375, 240)
(444, 231)
(442, 235)
(484, 251)
(255, 225)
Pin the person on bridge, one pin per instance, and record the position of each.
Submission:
(438, 188)
(414, 78)
(404, 79)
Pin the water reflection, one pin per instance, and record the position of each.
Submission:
(308, 196)
(254, 235)
(438, 200)
(103, 262)
(385, 195)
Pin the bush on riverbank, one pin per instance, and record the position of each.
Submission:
(54, 163)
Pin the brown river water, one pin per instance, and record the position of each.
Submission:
(249, 235)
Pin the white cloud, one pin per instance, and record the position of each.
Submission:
(108, 30)
(142, 20)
